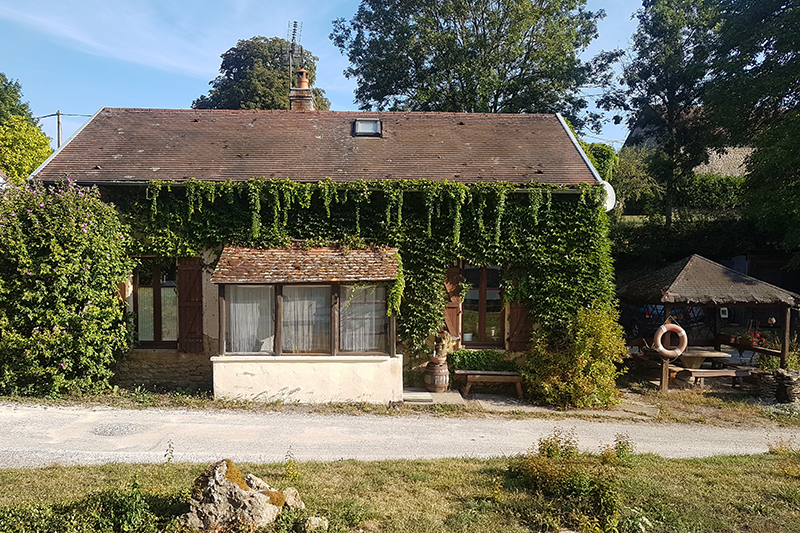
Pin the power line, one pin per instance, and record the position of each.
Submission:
(62, 114)
(59, 114)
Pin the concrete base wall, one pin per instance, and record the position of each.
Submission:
(309, 379)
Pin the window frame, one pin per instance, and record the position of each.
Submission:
(278, 317)
(158, 325)
(483, 289)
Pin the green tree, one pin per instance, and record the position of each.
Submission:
(62, 326)
(755, 96)
(489, 56)
(664, 84)
(255, 75)
(631, 178)
(11, 100)
(23, 147)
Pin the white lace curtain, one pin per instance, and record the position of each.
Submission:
(251, 326)
(307, 319)
(363, 323)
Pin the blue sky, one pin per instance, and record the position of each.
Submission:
(81, 55)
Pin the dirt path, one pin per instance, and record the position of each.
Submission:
(42, 435)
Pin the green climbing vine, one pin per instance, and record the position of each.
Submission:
(552, 242)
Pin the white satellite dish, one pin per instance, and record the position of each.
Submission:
(611, 196)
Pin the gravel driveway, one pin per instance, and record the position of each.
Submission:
(34, 435)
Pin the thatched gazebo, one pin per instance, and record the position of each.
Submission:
(699, 282)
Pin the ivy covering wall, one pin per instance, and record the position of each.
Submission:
(552, 242)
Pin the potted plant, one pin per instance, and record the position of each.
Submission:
(750, 338)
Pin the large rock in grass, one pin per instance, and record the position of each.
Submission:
(221, 495)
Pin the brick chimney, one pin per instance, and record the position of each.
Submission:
(301, 98)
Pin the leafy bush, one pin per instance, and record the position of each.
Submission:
(572, 489)
(491, 360)
(580, 369)
(113, 511)
(62, 324)
(560, 445)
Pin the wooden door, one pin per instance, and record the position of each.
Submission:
(452, 310)
(519, 327)
(190, 305)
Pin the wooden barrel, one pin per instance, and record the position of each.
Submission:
(437, 377)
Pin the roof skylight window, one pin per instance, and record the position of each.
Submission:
(367, 127)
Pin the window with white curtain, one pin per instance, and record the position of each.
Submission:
(306, 319)
(363, 323)
(250, 318)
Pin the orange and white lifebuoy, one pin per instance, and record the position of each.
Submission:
(683, 341)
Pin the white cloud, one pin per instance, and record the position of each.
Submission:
(176, 36)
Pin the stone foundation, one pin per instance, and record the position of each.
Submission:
(166, 368)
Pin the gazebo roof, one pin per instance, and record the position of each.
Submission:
(698, 281)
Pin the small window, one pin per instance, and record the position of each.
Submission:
(250, 318)
(367, 127)
(156, 304)
(306, 319)
(363, 325)
(483, 320)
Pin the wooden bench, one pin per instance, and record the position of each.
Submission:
(699, 374)
(489, 376)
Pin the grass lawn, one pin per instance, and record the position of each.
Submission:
(725, 494)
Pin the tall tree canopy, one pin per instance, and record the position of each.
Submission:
(755, 96)
(23, 145)
(255, 75)
(492, 56)
(11, 100)
(663, 89)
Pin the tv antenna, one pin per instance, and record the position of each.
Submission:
(293, 35)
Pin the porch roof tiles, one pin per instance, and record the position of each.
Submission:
(295, 264)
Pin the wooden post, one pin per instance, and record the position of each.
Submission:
(664, 374)
(335, 318)
(393, 335)
(666, 340)
(222, 319)
(786, 332)
(278, 320)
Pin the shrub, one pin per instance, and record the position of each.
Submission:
(112, 511)
(62, 326)
(493, 360)
(571, 488)
(581, 369)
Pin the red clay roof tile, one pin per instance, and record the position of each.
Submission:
(294, 264)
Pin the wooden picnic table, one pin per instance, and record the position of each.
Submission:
(695, 356)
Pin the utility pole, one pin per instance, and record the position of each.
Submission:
(60, 135)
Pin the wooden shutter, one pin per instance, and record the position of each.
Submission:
(190, 305)
(452, 311)
(519, 327)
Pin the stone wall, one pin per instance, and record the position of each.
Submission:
(166, 368)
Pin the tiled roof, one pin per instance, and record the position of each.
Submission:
(696, 280)
(294, 264)
(137, 145)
